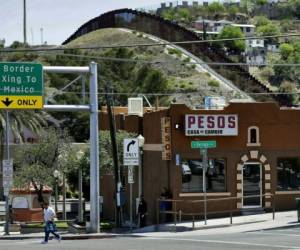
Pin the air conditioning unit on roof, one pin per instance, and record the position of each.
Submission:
(135, 106)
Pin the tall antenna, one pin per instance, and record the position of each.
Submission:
(42, 36)
(32, 38)
(24, 22)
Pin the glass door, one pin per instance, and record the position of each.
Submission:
(252, 185)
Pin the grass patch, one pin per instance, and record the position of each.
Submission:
(59, 224)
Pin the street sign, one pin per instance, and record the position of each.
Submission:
(131, 152)
(203, 144)
(7, 175)
(21, 85)
(130, 174)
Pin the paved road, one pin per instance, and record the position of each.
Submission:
(262, 240)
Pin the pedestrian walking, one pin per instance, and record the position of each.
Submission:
(50, 227)
(142, 210)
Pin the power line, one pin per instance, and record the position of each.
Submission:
(174, 93)
(101, 58)
(59, 48)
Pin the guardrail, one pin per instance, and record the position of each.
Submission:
(178, 212)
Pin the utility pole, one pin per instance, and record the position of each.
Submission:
(24, 22)
(115, 156)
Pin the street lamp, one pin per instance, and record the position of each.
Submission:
(141, 141)
(56, 175)
(79, 155)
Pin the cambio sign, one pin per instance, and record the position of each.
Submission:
(208, 125)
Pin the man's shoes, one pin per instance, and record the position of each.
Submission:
(44, 242)
(59, 238)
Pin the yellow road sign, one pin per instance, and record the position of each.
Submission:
(21, 102)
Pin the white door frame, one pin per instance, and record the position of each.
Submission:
(260, 182)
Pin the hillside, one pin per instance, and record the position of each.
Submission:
(269, 19)
(189, 82)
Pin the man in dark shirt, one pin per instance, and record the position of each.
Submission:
(142, 210)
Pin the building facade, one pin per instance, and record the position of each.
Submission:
(257, 154)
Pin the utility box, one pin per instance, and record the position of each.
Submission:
(135, 106)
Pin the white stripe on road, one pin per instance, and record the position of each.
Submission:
(9, 242)
(279, 234)
(224, 242)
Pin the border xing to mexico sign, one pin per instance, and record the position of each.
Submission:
(21, 85)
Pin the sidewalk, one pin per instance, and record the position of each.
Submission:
(240, 224)
(214, 226)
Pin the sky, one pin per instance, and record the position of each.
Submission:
(58, 18)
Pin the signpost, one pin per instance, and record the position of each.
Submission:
(7, 175)
(21, 86)
(203, 146)
(130, 181)
(131, 158)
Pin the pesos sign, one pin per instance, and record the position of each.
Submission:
(21, 86)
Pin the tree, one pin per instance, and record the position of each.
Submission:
(184, 14)
(286, 50)
(261, 2)
(294, 7)
(215, 8)
(269, 29)
(35, 163)
(291, 89)
(233, 10)
(261, 20)
(169, 14)
(106, 159)
(229, 32)
(150, 80)
(34, 121)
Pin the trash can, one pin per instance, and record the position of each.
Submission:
(298, 207)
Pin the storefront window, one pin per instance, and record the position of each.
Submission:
(288, 174)
(192, 176)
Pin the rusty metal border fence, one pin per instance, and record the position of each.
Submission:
(178, 212)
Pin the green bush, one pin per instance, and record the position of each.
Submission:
(213, 83)
(69, 194)
(176, 52)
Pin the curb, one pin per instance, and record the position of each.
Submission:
(295, 225)
(69, 237)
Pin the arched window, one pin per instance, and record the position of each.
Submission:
(253, 136)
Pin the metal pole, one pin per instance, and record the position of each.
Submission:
(80, 211)
(56, 209)
(204, 153)
(94, 153)
(140, 172)
(80, 214)
(7, 157)
(24, 22)
(64, 197)
(130, 187)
